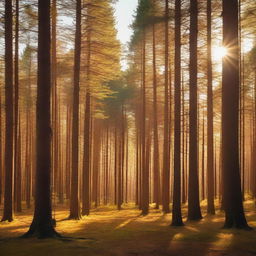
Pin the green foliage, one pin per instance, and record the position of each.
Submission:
(121, 94)
(143, 17)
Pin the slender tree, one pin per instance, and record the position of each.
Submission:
(17, 156)
(176, 209)
(210, 162)
(87, 120)
(74, 200)
(194, 212)
(166, 145)
(155, 125)
(8, 192)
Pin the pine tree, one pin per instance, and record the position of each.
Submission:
(233, 205)
(42, 225)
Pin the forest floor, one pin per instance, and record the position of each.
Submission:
(108, 232)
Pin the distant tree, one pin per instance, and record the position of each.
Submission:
(156, 171)
(142, 20)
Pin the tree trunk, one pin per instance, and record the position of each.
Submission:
(68, 153)
(176, 209)
(17, 168)
(87, 131)
(183, 144)
(54, 105)
(42, 225)
(202, 167)
(233, 206)
(8, 192)
(143, 132)
(194, 212)
(86, 164)
(210, 163)
(74, 200)
(166, 146)
(156, 164)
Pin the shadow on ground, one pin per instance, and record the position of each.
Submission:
(109, 232)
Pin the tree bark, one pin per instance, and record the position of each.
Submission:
(8, 192)
(155, 126)
(194, 212)
(233, 206)
(176, 209)
(42, 225)
(210, 162)
(166, 146)
(74, 200)
(87, 131)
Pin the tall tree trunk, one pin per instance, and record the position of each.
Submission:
(176, 209)
(17, 168)
(60, 156)
(156, 164)
(86, 164)
(54, 105)
(194, 212)
(166, 146)
(18, 171)
(202, 165)
(8, 193)
(119, 169)
(87, 131)
(137, 165)
(210, 163)
(143, 133)
(115, 165)
(108, 157)
(74, 200)
(233, 205)
(183, 144)
(242, 110)
(95, 174)
(42, 225)
(68, 153)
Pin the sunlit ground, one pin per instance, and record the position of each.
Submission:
(110, 232)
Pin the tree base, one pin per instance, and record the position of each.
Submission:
(144, 213)
(177, 223)
(74, 217)
(41, 232)
(9, 219)
(195, 218)
(237, 226)
(211, 212)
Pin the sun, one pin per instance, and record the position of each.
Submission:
(219, 52)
